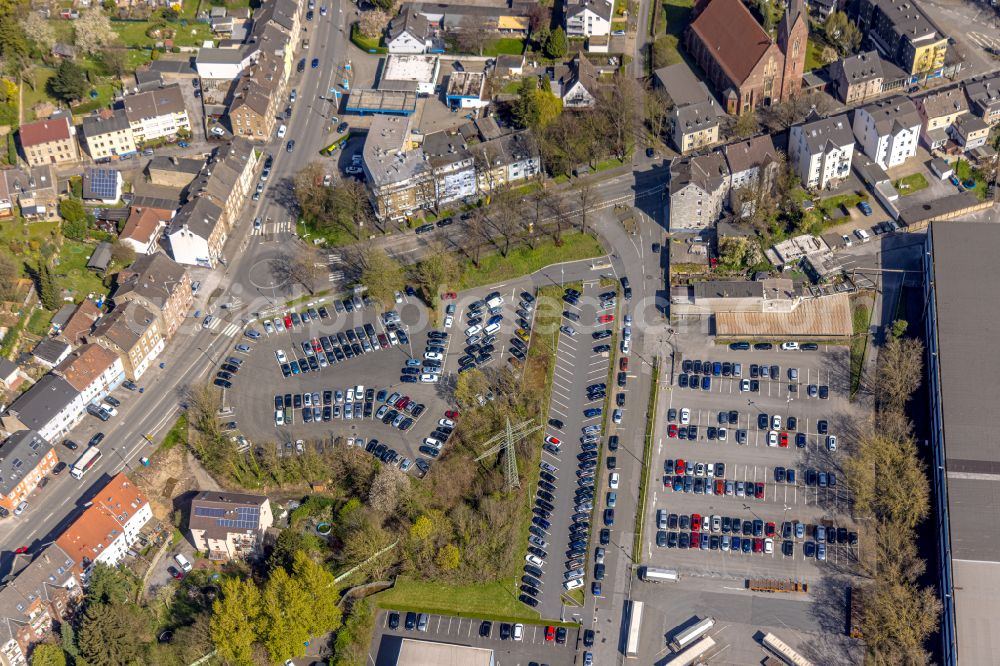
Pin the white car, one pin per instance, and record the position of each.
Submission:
(281, 131)
(518, 633)
(110, 409)
(350, 395)
(626, 346)
(768, 546)
(831, 442)
(434, 356)
(776, 422)
(447, 423)
(428, 378)
(789, 346)
(448, 321)
(472, 330)
(393, 340)
(399, 297)
(723, 434)
(772, 438)
(534, 559)
(430, 441)
(617, 416)
(573, 584)
(549, 439)
(627, 333)
(279, 417)
(613, 480)
(745, 386)
(685, 416)
(280, 355)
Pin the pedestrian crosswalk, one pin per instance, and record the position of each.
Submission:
(981, 40)
(231, 330)
(336, 276)
(272, 227)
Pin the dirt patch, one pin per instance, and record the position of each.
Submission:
(168, 475)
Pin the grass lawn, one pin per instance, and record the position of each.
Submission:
(105, 94)
(511, 88)
(910, 184)
(176, 435)
(72, 274)
(364, 43)
(133, 33)
(504, 46)
(335, 237)
(38, 324)
(861, 319)
(20, 230)
(966, 172)
(814, 55)
(38, 94)
(673, 18)
(524, 261)
(610, 163)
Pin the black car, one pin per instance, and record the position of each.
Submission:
(605, 537)
(740, 346)
(70, 444)
(393, 620)
(342, 127)
(485, 628)
(528, 601)
(763, 346)
(504, 631)
(411, 621)
(222, 383)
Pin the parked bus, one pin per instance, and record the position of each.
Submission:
(655, 575)
(693, 653)
(634, 626)
(691, 634)
(85, 462)
(784, 652)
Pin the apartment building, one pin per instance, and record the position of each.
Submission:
(50, 141)
(227, 526)
(821, 150)
(902, 33)
(589, 18)
(108, 135)
(938, 111)
(751, 163)
(157, 114)
(93, 371)
(698, 190)
(888, 131)
(25, 457)
(160, 285)
(143, 228)
(134, 334)
(107, 528)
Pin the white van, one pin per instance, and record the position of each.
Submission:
(491, 329)
(182, 562)
(862, 235)
(494, 302)
(472, 330)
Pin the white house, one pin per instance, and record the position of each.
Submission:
(93, 371)
(888, 130)
(576, 84)
(228, 64)
(156, 114)
(588, 18)
(108, 528)
(821, 150)
(408, 32)
(51, 407)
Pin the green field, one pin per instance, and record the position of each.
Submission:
(72, 274)
(910, 184)
(504, 46)
(524, 261)
(133, 33)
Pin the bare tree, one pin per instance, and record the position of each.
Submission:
(475, 35)
(93, 31)
(388, 485)
(302, 266)
(898, 372)
(657, 106)
(382, 275)
(621, 107)
(505, 215)
(372, 23)
(585, 191)
(793, 111)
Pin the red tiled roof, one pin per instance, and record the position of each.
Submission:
(143, 222)
(81, 321)
(732, 34)
(85, 365)
(44, 131)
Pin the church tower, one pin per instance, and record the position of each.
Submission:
(793, 40)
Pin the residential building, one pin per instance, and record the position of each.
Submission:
(160, 286)
(173, 171)
(961, 306)
(821, 150)
(157, 114)
(258, 94)
(857, 78)
(51, 407)
(143, 228)
(102, 186)
(50, 141)
(81, 322)
(510, 66)
(903, 34)
(888, 131)
(969, 131)
(34, 192)
(938, 111)
(984, 98)
(588, 18)
(408, 32)
(108, 528)
(747, 68)
(698, 190)
(223, 63)
(466, 90)
(752, 164)
(35, 598)
(11, 375)
(198, 232)
(93, 371)
(229, 526)
(695, 126)
(132, 332)
(25, 457)
(50, 352)
(108, 135)
(576, 84)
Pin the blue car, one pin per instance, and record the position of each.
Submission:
(865, 208)
(706, 383)
(295, 367)
(183, 144)
(592, 412)
(315, 63)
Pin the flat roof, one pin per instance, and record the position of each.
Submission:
(826, 317)
(410, 67)
(400, 651)
(362, 100)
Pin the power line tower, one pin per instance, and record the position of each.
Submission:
(505, 441)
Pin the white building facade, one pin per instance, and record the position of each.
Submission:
(821, 151)
(888, 131)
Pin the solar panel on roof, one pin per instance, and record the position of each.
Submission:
(104, 183)
(208, 512)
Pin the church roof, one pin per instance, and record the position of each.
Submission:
(733, 36)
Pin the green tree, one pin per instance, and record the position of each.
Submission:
(436, 271)
(841, 32)
(286, 617)
(319, 585)
(665, 51)
(122, 254)
(525, 109)
(113, 634)
(48, 654)
(556, 46)
(48, 291)
(382, 275)
(288, 543)
(449, 557)
(75, 217)
(70, 82)
(68, 639)
(13, 43)
(236, 615)
(111, 584)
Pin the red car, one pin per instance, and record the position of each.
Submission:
(288, 321)
(402, 402)
(759, 493)
(695, 522)
(553, 440)
(695, 540)
(22, 549)
(176, 573)
(720, 487)
(679, 466)
(758, 545)
(783, 440)
(672, 430)
(623, 363)
(769, 529)
(550, 633)
(317, 347)
(605, 319)
(449, 296)
(451, 414)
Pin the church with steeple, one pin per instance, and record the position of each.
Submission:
(747, 68)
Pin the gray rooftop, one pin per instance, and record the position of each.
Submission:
(943, 103)
(97, 125)
(751, 153)
(386, 159)
(861, 67)
(985, 92)
(50, 350)
(820, 133)
(19, 455)
(46, 398)
(682, 85)
(696, 117)
(707, 172)
(214, 56)
(893, 114)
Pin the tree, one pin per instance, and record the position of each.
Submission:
(585, 190)
(793, 111)
(38, 30)
(122, 254)
(114, 61)
(92, 31)
(302, 266)
(13, 45)
(320, 587)
(449, 557)
(382, 275)
(385, 5)
(436, 271)
(9, 272)
(286, 617)
(657, 105)
(746, 125)
(556, 46)
(664, 51)
(236, 616)
(525, 108)
(386, 489)
(107, 584)
(842, 33)
(75, 217)
(620, 106)
(898, 373)
(470, 385)
(48, 654)
(69, 83)
(48, 291)
(288, 543)
(475, 35)
(113, 633)
(372, 23)
(505, 216)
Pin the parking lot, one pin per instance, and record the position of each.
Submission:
(755, 439)
(533, 648)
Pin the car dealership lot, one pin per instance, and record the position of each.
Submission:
(751, 466)
(532, 648)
